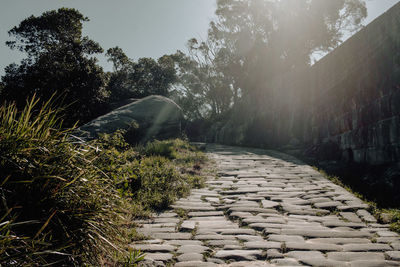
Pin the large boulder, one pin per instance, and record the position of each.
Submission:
(157, 116)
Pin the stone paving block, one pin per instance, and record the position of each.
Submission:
(172, 236)
(244, 209)
(254, 219)
(214, 237)
(187, 226)
(220, 219)
(249, 238)
(269, 231)
(393, 255)
(150, 241)
(192, 249)
(212, 199)
(350, 216)
(232, 247)
(323, 262)
(353, 207)
(323, 233)
(286, 262)
(158, 225)
(302, 211)
(373, 263)
(190, 257)
(353, 256)
(239, 231)
(328, 204)
(195, 263)
(395, 245)
(340, 240)
(183, 242)
(387, 234)
(389, 240)
(304, 255)
(193, 208)
(206, 231)
(262, 226)
(337, 223)
(269, 204)
(215, 224)
(295, 201)
(249, 264)
(262, 245)
(165, 220)
(379, 225)
(315, 200)
(285, 238)
(312, 246)
(366, 247)
(150, 230)
(222, 243)
(159, 256)
(247, 255)
(274, 254)
(215, 260)
(167, 215)
(240, 215)
(153, 247)
(366, 216)
(273, 219)
(205, 213)
(345, 197)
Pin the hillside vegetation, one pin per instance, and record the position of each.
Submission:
(72, 203)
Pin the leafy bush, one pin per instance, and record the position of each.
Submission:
(57, 206)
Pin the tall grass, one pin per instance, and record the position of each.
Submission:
(56, 207)
(64, 203)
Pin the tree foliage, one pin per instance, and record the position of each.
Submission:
(58, 61)
(252, 41)
(139, 79)
(204, 91)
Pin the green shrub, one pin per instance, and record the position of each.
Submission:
(160, 183)
(57, 208)
(174, 149)
(160, 148)
(154, 175)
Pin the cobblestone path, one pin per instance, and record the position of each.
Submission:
(267, 209)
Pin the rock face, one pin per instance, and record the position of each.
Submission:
(157, 116)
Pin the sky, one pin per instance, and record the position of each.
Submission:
(142, 28)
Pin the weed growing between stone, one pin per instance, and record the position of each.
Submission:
(66, 203)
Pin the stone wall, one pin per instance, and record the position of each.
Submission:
(355, 94)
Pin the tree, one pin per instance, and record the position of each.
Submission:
(139, 79)
(203, 93)
(252, 41)
(58, 61)
(117, 56)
